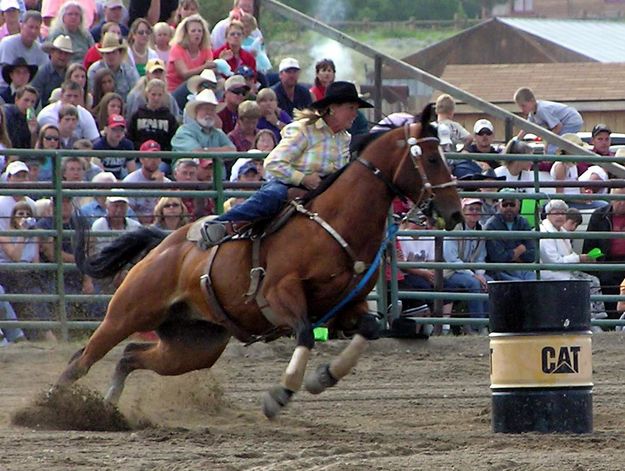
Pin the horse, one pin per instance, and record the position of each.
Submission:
(309, 265)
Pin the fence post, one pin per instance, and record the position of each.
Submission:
(58, 244)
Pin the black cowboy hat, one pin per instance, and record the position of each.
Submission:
(18, 62)
(341, 92)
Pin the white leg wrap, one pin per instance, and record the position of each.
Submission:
(347, 359)
(294, 373)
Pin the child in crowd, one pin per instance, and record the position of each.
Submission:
(114, 138)
(162, 35)
(557, 117)
(254, 43)
(68, 121)
(445, 109)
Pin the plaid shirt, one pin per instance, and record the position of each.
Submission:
(306, 149)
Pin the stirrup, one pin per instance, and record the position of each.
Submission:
(213, 232)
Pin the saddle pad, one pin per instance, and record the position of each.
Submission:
(193, 234)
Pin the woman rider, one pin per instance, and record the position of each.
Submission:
(313, 146)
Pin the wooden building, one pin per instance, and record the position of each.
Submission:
(592, 88)
(561, 8)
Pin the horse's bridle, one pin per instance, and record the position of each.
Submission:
(415, 153)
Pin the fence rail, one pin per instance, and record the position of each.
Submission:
(221, 190)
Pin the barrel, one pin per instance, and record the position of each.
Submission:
(541, 356)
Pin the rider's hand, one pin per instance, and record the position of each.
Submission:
(311, 181)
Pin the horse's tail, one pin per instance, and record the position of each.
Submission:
(129, 247)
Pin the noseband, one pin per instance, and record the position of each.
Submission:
(415, 153)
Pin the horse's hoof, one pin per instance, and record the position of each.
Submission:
(275, 400)
(320, 380)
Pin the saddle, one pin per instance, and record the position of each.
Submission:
(239, 230)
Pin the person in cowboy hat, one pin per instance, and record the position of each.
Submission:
(114, 49)
(199, 133)
(51, 76)
(16, 75)
(313, 146)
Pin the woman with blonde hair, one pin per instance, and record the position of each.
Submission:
(170, 214)
(190, 51)
(232, 52)
(272, 117)
(139, 51)
(71, 22)
(153, 120)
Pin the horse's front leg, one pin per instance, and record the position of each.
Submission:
(279, 395)
(287, 300)
(327, 375)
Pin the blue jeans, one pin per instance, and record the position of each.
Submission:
(7, 313)
(264, 203)
(465, 282)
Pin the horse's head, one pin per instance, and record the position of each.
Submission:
(421, 172)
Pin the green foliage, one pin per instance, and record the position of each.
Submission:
(389, 10)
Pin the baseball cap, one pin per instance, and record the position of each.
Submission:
(113, 3)
(117, 198)
(470, 201)
(482, 124)
(288, 63)
(150, 146)
(600, 127)
(116, 121)
(8, 4)
(234, 82)
(205, 163)
(246, 167)
(245, 71)
(507, 190)
(155, 64)
(16, 166)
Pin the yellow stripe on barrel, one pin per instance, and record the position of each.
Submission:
(538, 361)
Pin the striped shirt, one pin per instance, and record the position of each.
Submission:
(306, 149)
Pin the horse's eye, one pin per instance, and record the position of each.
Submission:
(432, 160)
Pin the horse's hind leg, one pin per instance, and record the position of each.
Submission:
(329, 374)
(183, 347)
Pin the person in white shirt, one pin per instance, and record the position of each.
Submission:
(71, 94)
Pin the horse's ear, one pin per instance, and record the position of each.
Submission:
(428, 115)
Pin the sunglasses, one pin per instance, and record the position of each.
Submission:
(508, 204)
(239, 91)
(143, 32)
(171, 205)
(51, 138)
(485, 133)
(235, 33)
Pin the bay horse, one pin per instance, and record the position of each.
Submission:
(306, 273)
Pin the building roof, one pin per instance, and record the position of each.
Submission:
(521, 41)
(566, 82)
(603, 41)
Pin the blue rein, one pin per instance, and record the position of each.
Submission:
(390, 233)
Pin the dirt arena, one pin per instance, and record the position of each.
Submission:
(409, 405)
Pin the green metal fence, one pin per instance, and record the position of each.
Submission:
(221, 190)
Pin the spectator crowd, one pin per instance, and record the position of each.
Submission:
(152, 76)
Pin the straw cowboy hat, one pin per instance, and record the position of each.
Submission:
(111, 42)
(194, 82)
(61, 43)
(18, 62)
(341, 92)
(205, 96)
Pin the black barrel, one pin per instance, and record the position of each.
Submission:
(541, 356)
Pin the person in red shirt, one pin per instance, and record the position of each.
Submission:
(325, 72)
(232, 52)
